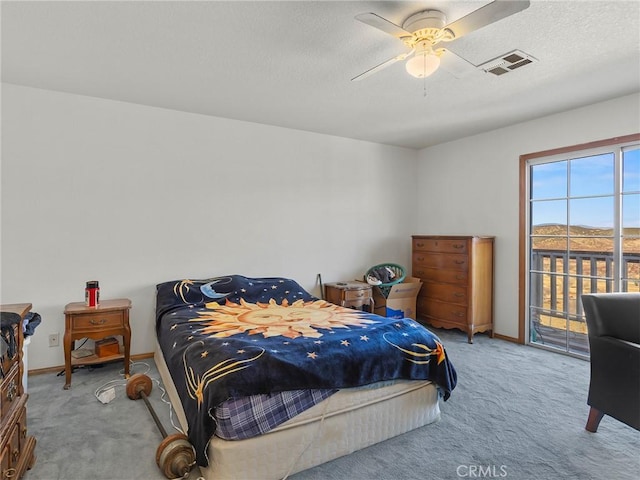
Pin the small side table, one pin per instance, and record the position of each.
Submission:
(110, 317)
(350, 294)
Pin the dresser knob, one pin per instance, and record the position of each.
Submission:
(97, 322)
(457, 245)
(9, 473)
(12, 390)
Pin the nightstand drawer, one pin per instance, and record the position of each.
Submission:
(364, 305)
(364, 293)
(97, 320)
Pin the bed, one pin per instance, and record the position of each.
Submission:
(268, 380)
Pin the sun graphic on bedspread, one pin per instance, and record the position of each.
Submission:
(299, 319)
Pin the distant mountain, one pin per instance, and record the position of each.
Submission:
(583, 238)
(574, 230)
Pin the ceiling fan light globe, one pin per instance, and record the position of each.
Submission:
(422, 65)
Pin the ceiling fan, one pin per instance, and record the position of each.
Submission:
(424, 31)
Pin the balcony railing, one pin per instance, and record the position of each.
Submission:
(560, 279)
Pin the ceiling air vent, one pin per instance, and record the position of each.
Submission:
(507, 63)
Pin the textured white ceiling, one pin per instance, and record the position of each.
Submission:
(290, 63)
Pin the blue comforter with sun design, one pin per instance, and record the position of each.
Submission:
(233, 336)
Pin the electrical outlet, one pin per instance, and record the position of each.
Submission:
(54, 339)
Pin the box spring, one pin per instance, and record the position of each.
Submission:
(354, 418)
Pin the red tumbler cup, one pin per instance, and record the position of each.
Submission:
(92, 294)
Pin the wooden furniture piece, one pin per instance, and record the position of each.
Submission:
(350, 294)
(110, 317)
(457, 273)
(16, 447)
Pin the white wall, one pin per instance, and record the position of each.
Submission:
(131, 196)
(481, 192)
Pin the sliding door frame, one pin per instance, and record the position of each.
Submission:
(524, 201)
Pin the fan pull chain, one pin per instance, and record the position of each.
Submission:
(424, 78)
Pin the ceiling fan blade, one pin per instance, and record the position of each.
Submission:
(455, 64)
(381, 66)
(383, 24)
(490, 13)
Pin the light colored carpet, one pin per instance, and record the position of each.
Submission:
(517, 413)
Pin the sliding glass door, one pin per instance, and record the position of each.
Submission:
(583, 236)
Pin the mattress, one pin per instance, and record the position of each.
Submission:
(349, 420)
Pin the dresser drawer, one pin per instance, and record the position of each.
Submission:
(17, 439)
(457, 277)
(439, 245)
(445, 261)
(22, 428)
(444, 311)
(446, 293)
(4, 462)
(14, 446)
(97, 320)
(16, 455)
(10, 391)
(7, 361)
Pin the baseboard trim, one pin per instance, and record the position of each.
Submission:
(144, 356)
(507, 338)
(38, 371)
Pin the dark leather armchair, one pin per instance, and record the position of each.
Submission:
(613, 322)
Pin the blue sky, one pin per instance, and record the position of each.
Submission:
(586, 177)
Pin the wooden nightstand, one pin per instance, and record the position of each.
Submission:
(110, 317)
(350, 294)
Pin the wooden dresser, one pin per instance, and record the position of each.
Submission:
(16, 447)
(457, 276)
